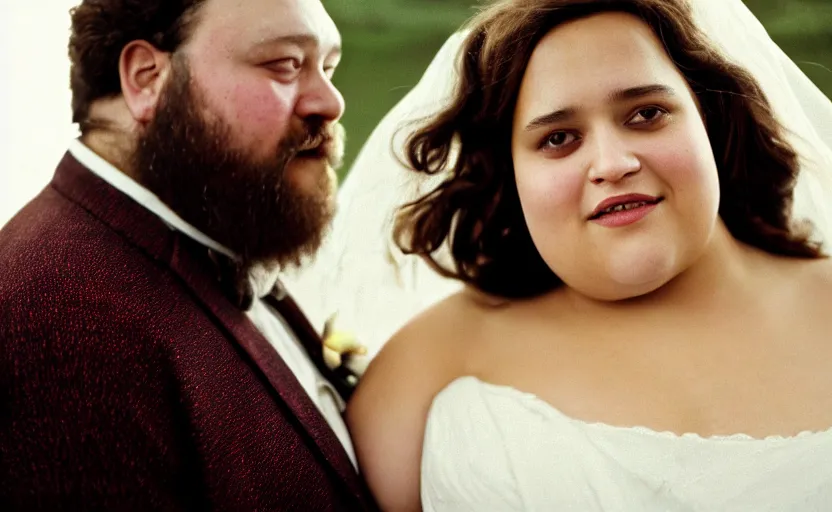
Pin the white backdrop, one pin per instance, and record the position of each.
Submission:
(35, 115)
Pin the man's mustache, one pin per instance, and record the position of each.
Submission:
(321, 142)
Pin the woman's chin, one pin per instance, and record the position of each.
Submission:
(617, 292)
(640, 276)
(629, 278)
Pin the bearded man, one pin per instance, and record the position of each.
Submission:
(151, 360)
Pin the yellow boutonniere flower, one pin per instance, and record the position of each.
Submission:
(339, 345)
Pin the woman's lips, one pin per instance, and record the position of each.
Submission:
(631, 214)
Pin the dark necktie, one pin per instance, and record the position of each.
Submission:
(234, 280)
(342, 378)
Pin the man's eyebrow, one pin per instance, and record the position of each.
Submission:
(617, 96)
(295, 39)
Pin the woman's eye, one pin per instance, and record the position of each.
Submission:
(558, 140)
(647, 115)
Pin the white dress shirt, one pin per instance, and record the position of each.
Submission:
(268, 321)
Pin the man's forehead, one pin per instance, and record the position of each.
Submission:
(257, 22)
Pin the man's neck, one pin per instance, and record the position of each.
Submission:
(111, 147)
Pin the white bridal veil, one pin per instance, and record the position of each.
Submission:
(375, 289)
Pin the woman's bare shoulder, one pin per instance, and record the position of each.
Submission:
(427, 353)
(807, 285)
(819, 277)
(436, 342)
(812, 275)
(389, 409)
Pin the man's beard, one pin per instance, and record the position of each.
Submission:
(246, 205)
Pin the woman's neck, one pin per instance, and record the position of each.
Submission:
(723, 273)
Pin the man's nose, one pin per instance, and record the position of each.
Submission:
(614, 159)
(320, 98)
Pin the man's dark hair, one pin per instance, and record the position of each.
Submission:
(100, 31)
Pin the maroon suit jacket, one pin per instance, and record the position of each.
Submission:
(128, 381)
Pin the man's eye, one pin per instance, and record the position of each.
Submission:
(288, 65)
(558, 140)
(647, 115)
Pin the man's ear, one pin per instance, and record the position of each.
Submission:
(144, 70)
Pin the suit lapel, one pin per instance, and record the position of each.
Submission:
(190, 261)
(264, 356)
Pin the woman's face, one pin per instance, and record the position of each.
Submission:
(614, 169)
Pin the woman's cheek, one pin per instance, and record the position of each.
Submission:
(550, 191)
(683, 157)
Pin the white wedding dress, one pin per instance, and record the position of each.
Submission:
(494, 448)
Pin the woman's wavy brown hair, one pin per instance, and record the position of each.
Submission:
(476, 210)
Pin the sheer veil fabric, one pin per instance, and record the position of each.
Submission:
(375, 289)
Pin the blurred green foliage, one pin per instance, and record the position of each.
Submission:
(389, 43)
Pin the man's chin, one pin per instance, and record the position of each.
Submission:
(311, 175)
(307, 167)
(310, 162)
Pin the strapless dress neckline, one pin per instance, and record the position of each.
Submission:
(494, 447)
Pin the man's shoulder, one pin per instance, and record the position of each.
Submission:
(48, 228)
(59, 260)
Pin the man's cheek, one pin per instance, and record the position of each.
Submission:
(256, 111)
(262, 108)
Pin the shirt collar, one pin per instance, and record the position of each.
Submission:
(263, 280)
(124, 183)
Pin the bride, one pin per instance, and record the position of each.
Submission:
(616, 304)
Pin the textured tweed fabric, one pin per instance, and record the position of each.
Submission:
(128, 381)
